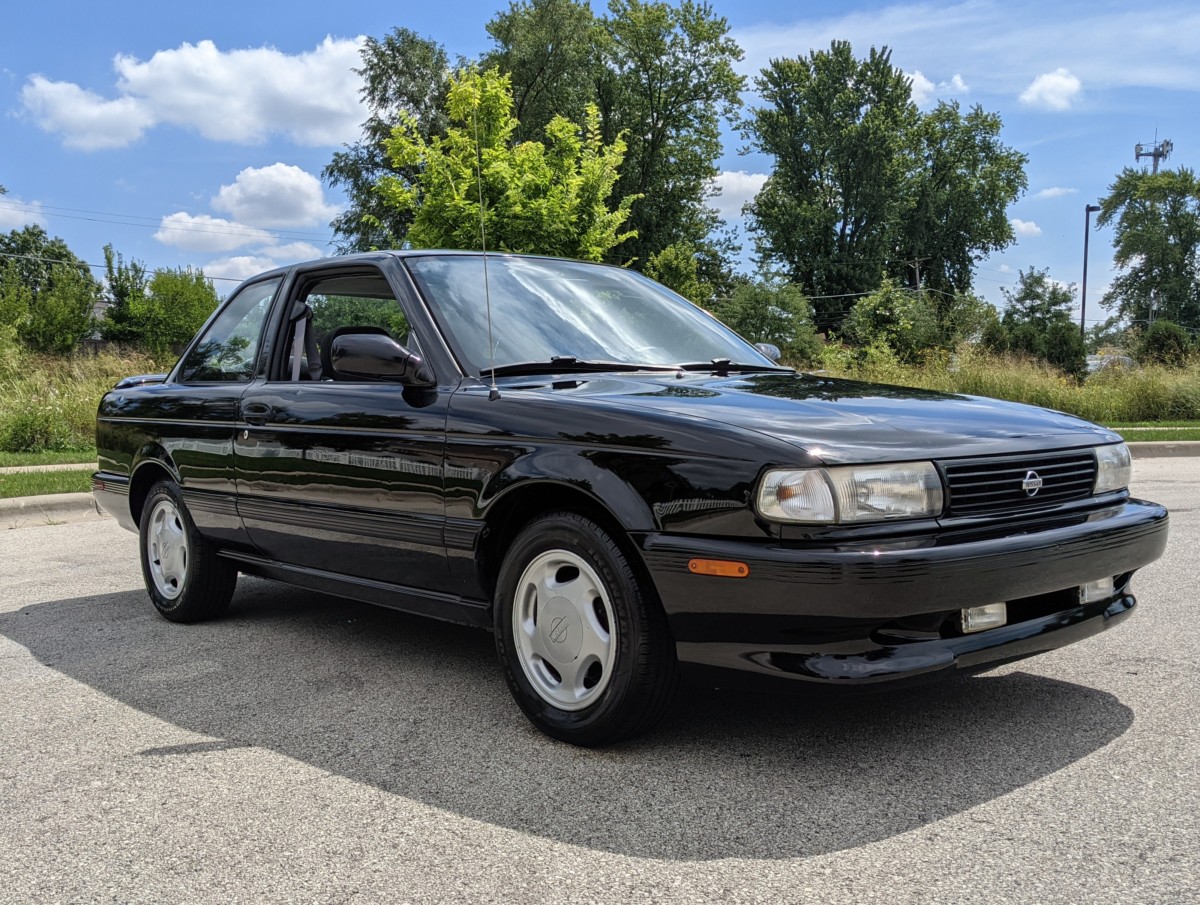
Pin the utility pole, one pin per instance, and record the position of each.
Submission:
(1159, 150)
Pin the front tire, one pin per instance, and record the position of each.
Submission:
(584, 645)
(186, 580)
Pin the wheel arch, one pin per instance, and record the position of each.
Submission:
(153, 465)
(523, 502)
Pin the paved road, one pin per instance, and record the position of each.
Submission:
(310, 750)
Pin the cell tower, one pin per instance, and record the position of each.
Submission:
(1160, 150)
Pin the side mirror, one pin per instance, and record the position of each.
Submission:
(373, 356)
(770, 350)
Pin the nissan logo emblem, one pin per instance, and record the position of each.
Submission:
(1032, 483)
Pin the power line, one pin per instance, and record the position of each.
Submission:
(157, 224)
(38, 258)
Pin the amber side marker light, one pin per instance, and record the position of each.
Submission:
(721, 567)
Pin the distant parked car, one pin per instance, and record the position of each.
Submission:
(611, 480)
(1108, 361)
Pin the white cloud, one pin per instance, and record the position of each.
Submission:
(85, 119)
(276, 196)
(241, 267)
(1000, 46)
(924, 92)
(1025, 228)
(1055, 192)
(17, 214)
(238, 96)
(736, 187)
(207, 234)
(1055, 90)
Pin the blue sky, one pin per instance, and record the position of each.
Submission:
(196, 133)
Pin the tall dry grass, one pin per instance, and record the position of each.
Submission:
(49, 403)
(1114, 396)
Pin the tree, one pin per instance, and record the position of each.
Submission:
(1037, 301)
(864, 186)
(551, 51)
(1157, 245)
(1063, 347)
(125, 289)
(175, 306)
(57, 289)
(404, 74)
(1165, 343)
(1037, 316)
(963, 183)
(773, 311)
(837, 128)
(668, 83)
(676, 268)
(899, 317)
(550, 198)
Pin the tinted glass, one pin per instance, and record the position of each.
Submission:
(543, 307)
(226, 352)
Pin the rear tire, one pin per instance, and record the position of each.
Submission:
(185, 578)
(584, 645)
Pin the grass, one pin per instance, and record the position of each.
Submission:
(1149, 395)
(41, 483)
(1134, 435)
(48, 404)
(48, 457)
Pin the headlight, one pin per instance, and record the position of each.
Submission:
(853, 493)
(1114, 467)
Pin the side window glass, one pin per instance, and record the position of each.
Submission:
(347, 303)
(226, 352)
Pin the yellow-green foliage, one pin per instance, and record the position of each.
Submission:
(49, 403)
(1112, 396)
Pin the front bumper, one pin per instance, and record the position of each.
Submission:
(864, 613)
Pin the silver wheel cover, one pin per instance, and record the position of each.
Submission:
(167, 549)
(564, 630)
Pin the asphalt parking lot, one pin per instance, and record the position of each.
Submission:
(306, 749)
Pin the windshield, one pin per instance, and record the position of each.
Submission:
(544, 308)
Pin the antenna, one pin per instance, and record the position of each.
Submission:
(494, 392)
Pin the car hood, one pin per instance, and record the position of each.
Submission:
(843, 421)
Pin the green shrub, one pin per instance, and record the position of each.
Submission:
(1164, 343)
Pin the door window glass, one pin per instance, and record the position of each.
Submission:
(227, 351)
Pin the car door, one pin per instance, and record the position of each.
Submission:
(343, 476)
(197, 409)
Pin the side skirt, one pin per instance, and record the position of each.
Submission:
(447, 607)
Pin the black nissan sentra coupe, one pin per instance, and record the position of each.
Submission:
(613, 481)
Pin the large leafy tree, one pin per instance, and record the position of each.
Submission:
(958, 197)
(405, 75)
(47, 293)
(550, 197)
(668, 84)
(551, 50)
(864, 186)
(1157, 242)
(839, 131)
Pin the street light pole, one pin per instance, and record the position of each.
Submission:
(1088, 210)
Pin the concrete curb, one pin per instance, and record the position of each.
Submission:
(1157, 449)
(55, 509)
(33, 469)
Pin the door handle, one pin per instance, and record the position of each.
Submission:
(257, 413)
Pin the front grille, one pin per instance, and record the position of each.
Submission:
(995, 484)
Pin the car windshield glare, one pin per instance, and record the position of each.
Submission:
(543, 308)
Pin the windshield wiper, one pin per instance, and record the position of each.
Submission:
(724, 366)
(568, 364)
